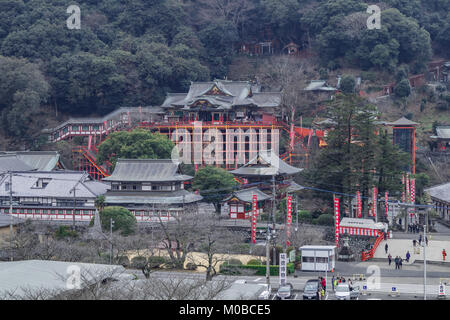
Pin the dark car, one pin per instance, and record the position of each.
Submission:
(310, 290)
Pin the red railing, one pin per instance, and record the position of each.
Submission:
(366, 255)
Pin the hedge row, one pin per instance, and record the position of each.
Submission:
(260, 269)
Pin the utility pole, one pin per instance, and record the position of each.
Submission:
(425, 226)
(74, 208)
(11, 258)
(273, 219)
(110, 240)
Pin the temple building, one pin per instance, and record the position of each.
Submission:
(49, 195)
(240, 203)
(440, 195)
(442, 139)
(150, 189)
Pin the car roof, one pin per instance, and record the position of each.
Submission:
(313, 280)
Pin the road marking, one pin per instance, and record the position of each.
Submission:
(257, 279)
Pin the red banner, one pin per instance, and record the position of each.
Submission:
(374, 201)
(288, 220)
(386, 204)
(358, 204)
(255, 208)
(336, 220)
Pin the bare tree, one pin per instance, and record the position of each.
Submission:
(215, 242)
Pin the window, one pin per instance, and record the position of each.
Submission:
(85, 128)
(322, 260)
(308, 259)
(75, 128)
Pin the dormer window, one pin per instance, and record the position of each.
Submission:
(41, 183)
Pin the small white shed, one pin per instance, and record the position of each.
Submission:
(318, 258)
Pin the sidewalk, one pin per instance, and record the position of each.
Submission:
(399, 247)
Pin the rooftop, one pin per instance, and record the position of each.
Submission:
(440, 192)
(151, 197)
(28, 160)
(266, 165)
(246, 195)
(146, 170)
(21, 277)
(60, 184)
(403, 122)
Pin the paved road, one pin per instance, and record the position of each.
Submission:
(408, 287)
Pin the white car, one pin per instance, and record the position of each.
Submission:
(345, 292)
(265, 295)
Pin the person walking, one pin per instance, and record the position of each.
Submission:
(386, 248)
(400, 260)
(332, 283)
(414, 242)
(324, 284)
(396, 262)
(420, 240)
(389, 259)
(408, 255)
(426, 240)
(444, 254)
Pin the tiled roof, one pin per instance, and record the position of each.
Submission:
(403, 122)
(59, 185)
(146, 170)
(235, 93)
(443, 132)
(440, 192)
(28, 160)
(266, 165)
(246, 195)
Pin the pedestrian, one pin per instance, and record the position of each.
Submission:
(336, 282)
(414, 242)
(386, 248)
(426, 240)
(318, 292)
(389, 258)
(400, 260)
(324, 284)
(444, 254)
(343, 280)
(420, 240)
(332, 283)
(407, 256)
(396, 262)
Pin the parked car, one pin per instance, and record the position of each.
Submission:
(285, 292)
(346, 292)
(310, 289)
(265, 295)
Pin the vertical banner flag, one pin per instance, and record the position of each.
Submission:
(336, 219)
(407, 183)
(386, 204)
(292, 133)
(106, 126)
(283, 269)
(358, 204)
(254, 218)
(288, 220)
(413, 194)
(374, 201)
(90, 142)
(403, 188)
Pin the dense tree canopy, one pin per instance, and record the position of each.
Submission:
(137, 144)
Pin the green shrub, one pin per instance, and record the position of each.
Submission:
(138, 262)
(123, 220)
(64, 232)
(254, 262)
(156, 261)
(234, 262)
(123, 261)
(191, 266)
(325, 220)
(305, 216)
